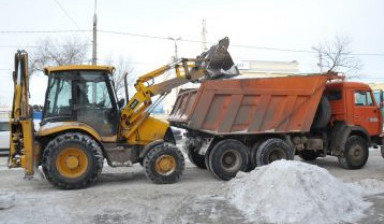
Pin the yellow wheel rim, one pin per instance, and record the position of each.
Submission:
(72, 162)
(165, 165)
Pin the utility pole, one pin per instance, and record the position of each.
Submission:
(204, 35)
(94, 41)
(176, 58)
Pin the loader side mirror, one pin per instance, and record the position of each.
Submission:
(381, 99)
(121, 103)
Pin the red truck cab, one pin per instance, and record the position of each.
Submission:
(354, 104)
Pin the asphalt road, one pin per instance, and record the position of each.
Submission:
(124, 195)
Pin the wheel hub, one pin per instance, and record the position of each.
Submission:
(276, 154)
(356, 152)
(231, 160)
(72, 162)
(165, 165)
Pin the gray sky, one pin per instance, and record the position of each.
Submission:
(277, 24)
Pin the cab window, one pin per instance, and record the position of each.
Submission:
(363, 98)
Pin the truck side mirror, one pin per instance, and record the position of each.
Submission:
(381, 99)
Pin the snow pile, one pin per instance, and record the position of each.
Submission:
(368, 187)
(7, 200)
(294, 192)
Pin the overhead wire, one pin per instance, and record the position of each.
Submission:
(181, 40)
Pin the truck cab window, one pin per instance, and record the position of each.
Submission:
(363, 98)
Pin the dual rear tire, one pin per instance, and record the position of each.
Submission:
(227, 158)
(230, 156)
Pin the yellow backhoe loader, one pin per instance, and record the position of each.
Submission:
(83, 122)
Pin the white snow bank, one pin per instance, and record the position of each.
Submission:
(7, 200)
(294, 192)
(368, 187)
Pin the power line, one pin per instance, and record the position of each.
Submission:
(41, 31)
(233, 45)
(183, 40)
(67, 14)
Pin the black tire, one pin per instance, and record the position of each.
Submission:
(323, 114)
(195, 158)
(382, 151)
(156, 154)
(273, 149)
(227, 158)
(148, 148)
(308, 155)
(81, 142)
(253, 162)
(355, 154)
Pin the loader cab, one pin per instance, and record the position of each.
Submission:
(83, 94)
(354, 104)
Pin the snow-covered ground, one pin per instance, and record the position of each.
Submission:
(124, 195)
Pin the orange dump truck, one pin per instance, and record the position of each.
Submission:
(239, 124)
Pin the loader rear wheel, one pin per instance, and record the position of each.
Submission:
(164, 164)
(355, 154)
(273, 149)
(228, 157)
(72, 160)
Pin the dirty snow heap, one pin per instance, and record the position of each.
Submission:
(294, 192)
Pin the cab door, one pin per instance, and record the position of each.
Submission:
(366, 113)
(95, 103)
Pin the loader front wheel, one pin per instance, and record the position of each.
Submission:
(72, 161)
(164, 164)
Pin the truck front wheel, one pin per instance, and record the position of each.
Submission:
(72, 160)
(273, 149)
(355, 154)
(228, 157)
(164, 164)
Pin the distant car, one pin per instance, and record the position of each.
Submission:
(4, 136)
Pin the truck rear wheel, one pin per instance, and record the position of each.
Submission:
(72, 160)
(253, 162)
(382, 151)
(164, 164)
(308, 155)
(228, 157)
(355, 154)
(273, 149)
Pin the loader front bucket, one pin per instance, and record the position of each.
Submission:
(217, 61)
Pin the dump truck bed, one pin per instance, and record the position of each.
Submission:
(250, 106)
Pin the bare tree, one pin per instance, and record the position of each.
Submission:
(122, 67)
(336, 56)
(51, 52)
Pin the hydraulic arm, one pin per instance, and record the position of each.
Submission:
(21, 123)
(212, 64)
